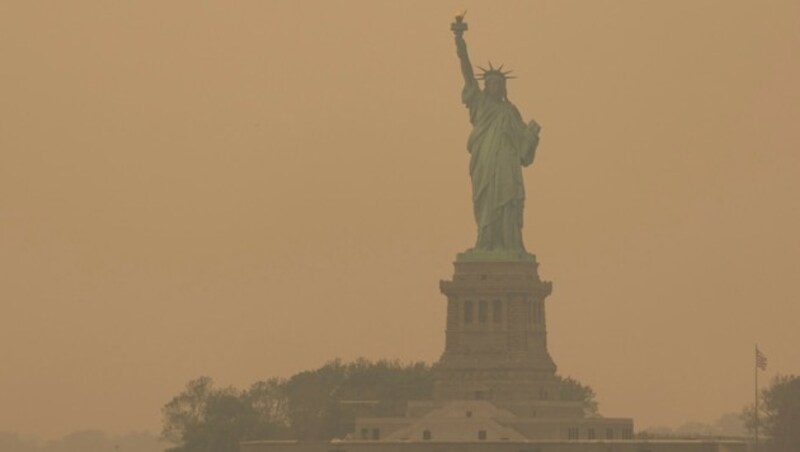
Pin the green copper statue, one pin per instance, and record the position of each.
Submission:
(500, 145)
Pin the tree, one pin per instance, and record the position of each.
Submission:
(205, 419)
(185, 411)
(307, 406)
(779, 414)
(574, 390)
(268, 398)
(311, 407)
(314, 397)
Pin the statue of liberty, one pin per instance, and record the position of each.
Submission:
(500, 145)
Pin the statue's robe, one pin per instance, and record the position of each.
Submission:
(499, 145)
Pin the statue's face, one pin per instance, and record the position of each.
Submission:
(494, 86)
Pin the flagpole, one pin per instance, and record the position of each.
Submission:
(755, 412)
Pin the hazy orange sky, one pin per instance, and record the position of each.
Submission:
(249, 189)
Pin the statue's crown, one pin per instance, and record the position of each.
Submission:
(494, 72)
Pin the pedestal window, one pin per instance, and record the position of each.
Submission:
(483, 311)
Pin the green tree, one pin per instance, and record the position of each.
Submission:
(206, 419)
(779, 414)
(389, 383)
(186, 410)
(307, 406)
(314, 397)
(311, 406)
(268, 398)
(574, 390)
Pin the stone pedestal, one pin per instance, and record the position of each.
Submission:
(496, 336)
(495, 382)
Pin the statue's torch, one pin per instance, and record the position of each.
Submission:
(459, 26)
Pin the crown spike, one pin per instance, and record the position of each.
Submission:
(493, 72)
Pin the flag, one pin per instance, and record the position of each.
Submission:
(761, 360)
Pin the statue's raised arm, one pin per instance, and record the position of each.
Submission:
(459, 27)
